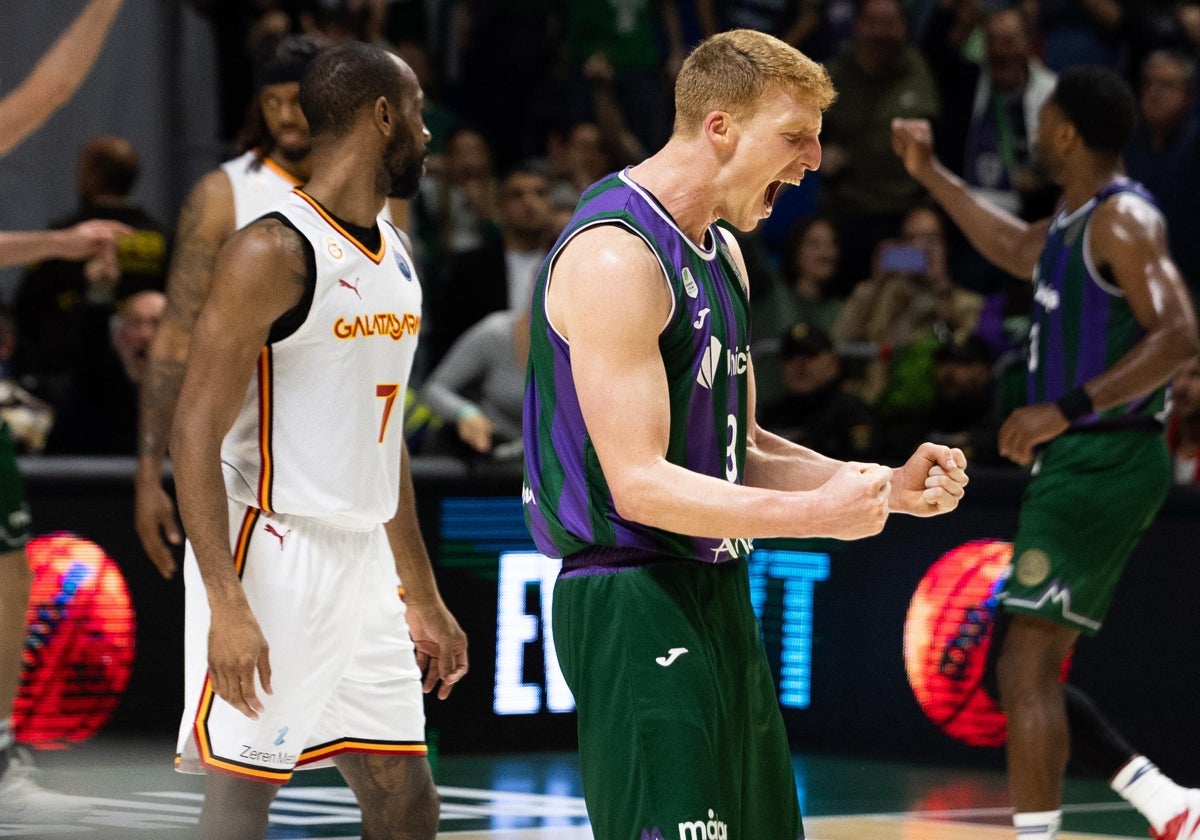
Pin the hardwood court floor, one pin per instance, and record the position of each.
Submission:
(136, 796)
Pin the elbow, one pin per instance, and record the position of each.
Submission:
(632, 497)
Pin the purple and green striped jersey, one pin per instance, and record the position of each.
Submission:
(1082, 323)
(705, 353)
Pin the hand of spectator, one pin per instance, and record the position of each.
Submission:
(912, 141)
(476, 431)
(1026, 427)
(92, 238)
(102, 273)
(932, 481)
(597, 68)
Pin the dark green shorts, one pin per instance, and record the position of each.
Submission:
(1091, 497)
(679, 724)
(14, 512)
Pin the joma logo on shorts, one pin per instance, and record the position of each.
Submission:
(712, 829)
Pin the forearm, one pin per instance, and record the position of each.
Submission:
(408, 546)
(996, 234)
(443, 402)
(204, 508)
(670, 497)
(159, 394)
(30, 246)
(1154, 360)
(59, 73)
(778, 464)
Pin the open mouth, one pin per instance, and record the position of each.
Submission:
(773, 189)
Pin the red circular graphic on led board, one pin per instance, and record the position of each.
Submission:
(947, 633)
(80, 644)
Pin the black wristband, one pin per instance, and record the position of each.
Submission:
(1075, 404)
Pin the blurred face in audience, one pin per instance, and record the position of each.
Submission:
(1007, 46)
(817, 252)
(468, 157)
(1186, 387)
(133, 331)
(585, 151)
(1165, 98)
(880, 32)
(525, 204)
(285, 121)
(923, 227)
(807, 374)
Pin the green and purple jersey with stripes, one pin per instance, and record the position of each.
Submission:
(705, 353)
(1082, 323)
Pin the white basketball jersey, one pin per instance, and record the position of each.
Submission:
(258, 185)
(319, 432)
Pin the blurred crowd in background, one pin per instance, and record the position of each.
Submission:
(875, 324)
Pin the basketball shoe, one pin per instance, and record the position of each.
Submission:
(24, 802)
(1186, 824)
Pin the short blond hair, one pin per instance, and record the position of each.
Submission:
(731, 70)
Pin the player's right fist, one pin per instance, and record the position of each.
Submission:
(856, 500)
(912, 141)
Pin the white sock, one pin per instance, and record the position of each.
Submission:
(1037, 825)
(1144, 787)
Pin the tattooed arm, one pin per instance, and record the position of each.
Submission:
(206, 221)
(259, 275)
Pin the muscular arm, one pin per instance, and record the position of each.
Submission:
(57, 75)
(259, 275)
(1128, 244)
(623, 394)
(205, 222)
(1007, 241)
(1129, 240)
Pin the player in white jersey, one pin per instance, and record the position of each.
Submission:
(225, 200)
(294, 485)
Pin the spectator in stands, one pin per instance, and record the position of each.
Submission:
(1183, 429)
(879, 77)
(964, 410)
(478, 388)
(1163, 152)
(498, 275)
(1075, 32)
(57, 297)
(815, 411)
(990, 114)
(100, 415)
(631, 36)
(803, 290)
(910, 291)
(456, 209)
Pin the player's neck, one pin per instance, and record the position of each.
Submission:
(346, 189)
(671, 177)
(1086, 180)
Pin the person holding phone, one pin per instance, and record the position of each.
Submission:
(909, 296)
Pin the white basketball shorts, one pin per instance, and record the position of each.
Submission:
(343, 672)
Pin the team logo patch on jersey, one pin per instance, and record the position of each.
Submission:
(710, 362)
(331, 245)
(1033, 567)
(689, 283)
(403, 265)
